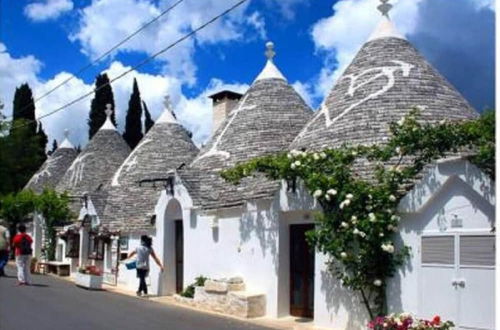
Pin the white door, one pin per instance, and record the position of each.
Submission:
(457, 279)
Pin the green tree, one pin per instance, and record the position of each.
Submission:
(42, 143)
(148, 122)
(54, 147)
(133, 129)
(103, 96)
(24, 106)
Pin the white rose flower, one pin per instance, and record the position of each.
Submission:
(354, 218)
(344, 224)
(401, 121)
(372, 217)
(341, 206)
(368, 207)
(327, 197)
(355, 231)
(294, 152)
(390, 227)
(370, 196)
(392, 198)
(442, 122)
(395, 218)
(381, 235)
(289, 155)
(343, 255)
(398, 150)
(332, 192)
(293, 166)
(377, 282)
(354, 153)
(362, 234)
(349, 196)
(316, 156)
(318, 193)
(347, 202)
(297, 163)
(322, 155)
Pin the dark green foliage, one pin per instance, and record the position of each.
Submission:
(54, 147)
(42, 143)
(189, 291)
(103, 96)
(133, 124)
(24, 107)
(79, 149)
(148, 122)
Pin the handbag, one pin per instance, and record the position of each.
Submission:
(131, 264)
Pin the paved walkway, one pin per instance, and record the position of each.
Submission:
(54, 304)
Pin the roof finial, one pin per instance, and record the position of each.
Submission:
(108, 110)
(270, 53)
(66, 133)
(384, 8)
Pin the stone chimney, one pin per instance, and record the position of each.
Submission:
(223, 103)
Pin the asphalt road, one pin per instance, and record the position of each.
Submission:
(56, 304)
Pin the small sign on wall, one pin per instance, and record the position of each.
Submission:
(456, 222)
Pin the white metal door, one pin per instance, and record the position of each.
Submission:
(438, 269)
(457, 279)
(476, 281)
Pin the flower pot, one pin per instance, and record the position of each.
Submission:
(92, 282)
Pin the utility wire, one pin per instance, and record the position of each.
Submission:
(140, 64)
(90, 64)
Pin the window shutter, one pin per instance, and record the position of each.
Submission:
(438, 250)
(477, 250)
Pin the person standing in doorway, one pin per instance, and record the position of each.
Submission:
(22, 249)
(4, 247)
(142, 262)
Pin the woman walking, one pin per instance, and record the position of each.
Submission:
(142, 262)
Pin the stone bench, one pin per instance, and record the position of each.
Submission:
(56, 267)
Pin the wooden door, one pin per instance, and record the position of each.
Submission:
(301, 272)
(179, 257)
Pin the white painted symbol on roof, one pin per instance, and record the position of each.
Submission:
(213, 151)
(45, 170)
(130, 162)
(77, 168)
(384, 71)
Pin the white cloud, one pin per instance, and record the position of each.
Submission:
(47, 9)
(257, 21)
(106, 22)
(304, 90)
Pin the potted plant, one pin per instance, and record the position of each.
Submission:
(89, 277)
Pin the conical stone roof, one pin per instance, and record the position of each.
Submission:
(53, 169)
(266, 119)
(385, 81)
(94, 167)
(165, 147)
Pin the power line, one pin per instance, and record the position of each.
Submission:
(140, 64)
(90, 64)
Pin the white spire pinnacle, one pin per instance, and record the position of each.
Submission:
(168, 112)
(270, 71)
(385, 28)
(108, 124)
(66, 143)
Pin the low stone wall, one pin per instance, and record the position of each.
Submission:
(227, 297)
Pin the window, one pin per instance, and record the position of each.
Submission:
(477, 250)
(438, 250)
(96, 247)
(73, 246)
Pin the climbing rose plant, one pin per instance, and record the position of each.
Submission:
(357, 225)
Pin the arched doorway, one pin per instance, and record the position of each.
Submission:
(173, 249)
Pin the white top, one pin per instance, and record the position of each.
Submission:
(142, 257)
(167, 116)
(385, 29)
(66, 143)
(108, 124)
(270, 71)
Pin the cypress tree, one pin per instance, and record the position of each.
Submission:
(148, 122)
(24, 107)
(54, 147)
(103, 96)
(78, 149)
(133, 129)
(42, 140)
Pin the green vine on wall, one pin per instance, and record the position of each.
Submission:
(359, 221)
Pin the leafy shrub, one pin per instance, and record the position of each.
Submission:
(189, 291)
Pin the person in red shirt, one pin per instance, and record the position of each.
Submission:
(22, 249)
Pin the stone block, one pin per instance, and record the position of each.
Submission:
(216, 286)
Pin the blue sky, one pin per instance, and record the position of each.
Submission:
(44, 42)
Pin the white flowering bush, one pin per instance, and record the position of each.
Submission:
(358, 223)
